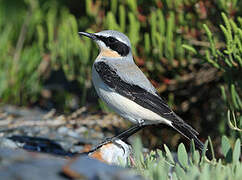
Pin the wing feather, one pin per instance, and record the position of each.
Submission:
(134, 92)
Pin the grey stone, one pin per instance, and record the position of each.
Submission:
(94, 169)
(20, 164)
(7, 143)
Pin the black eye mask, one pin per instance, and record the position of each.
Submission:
(115, 45)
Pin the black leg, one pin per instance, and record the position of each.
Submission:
(129, 132)
(123, 136)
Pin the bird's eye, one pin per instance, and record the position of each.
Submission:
(111, 40)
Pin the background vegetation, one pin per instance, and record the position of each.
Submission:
(191, 50)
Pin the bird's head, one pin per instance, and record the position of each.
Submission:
(111, 43)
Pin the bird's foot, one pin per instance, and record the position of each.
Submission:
(107, 141)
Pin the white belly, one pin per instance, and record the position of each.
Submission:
(123, 106)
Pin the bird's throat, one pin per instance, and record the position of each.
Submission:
(108, 53)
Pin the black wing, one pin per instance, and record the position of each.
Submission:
(145, 99)
(132, 91)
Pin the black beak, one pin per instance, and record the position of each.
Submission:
(90, 35)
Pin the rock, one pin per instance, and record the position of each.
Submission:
(8, 143)
(85, 167)
(20, 164)
(51, 139)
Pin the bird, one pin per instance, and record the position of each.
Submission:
(120, 83)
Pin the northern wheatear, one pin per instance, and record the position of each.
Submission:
(125, 89)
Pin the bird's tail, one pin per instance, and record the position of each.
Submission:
(188, 132)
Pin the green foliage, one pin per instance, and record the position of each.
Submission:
(55, 44)
(229, 61)
(159, 33)
(46, 33)
(182, 156)
(226, 149)
(159, 165)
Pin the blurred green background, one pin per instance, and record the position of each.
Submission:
(191, 50)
